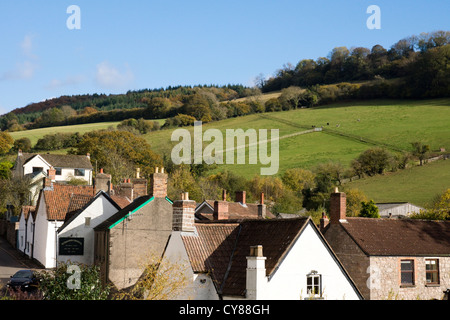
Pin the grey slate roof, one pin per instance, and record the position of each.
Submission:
(61, 160)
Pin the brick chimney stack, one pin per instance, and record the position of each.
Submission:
(158, 183)
(261, 207)
(240, 196)
(52, 174)
(220, 210)
(102, 181)
(183, 214)
(338, 207)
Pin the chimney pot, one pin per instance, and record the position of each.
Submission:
(158, 184)
(323, 221)
(256, 251)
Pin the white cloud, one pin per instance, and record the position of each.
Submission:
(69, 81)
(110, 77)
(23, 71)
(27, 46)
(25, 68)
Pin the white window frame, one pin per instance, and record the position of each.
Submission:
(316, 283)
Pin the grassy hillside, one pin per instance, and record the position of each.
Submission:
(35, 134)
(418, 185)
(348, 130)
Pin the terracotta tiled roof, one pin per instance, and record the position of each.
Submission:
(221, 248)
(27, 210)
(77, 202)
(61, 160)
(396, 237)
(57, 198)
(121, 201)
(237, 210)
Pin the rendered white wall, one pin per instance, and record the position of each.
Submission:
(199, 286)
(309, 253)
(99, 210)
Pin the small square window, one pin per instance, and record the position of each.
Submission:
(58, 171)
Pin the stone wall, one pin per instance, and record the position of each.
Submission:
(8, 230)
(386, 276)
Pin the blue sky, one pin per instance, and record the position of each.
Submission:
(137, 44)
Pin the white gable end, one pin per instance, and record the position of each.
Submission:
(309, 254)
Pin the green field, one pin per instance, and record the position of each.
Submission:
(418, 185)
(392, 123)
(348, 130)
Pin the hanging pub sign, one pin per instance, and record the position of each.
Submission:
(71, 246)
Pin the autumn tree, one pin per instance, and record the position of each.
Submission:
(298, 179)
(23, 144)
(355, 198)
(6, 142)
(162, 279)
(292, 96)
(119, 153)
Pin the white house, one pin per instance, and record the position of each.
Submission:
(26, 230)
(76, 236)
(66, 167)
(51, 210)
(255, 259)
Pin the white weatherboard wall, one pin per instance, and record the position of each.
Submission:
(199, 286)
(308, 253)
(99, 210)
(45, 237)
(21, 234)
(30, 236)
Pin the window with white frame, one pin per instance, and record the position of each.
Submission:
(314, 284)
